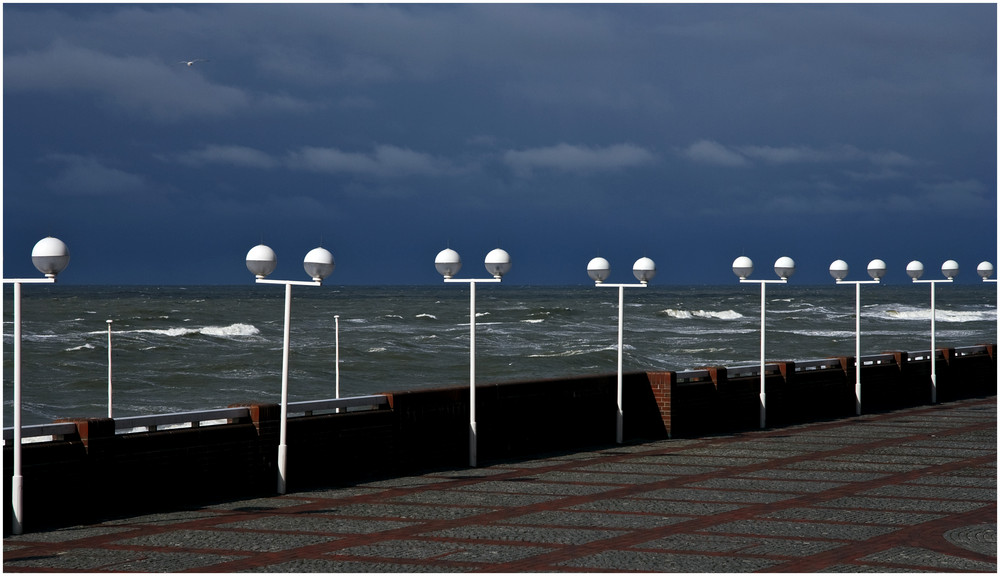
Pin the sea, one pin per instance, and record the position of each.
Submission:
(178, 349)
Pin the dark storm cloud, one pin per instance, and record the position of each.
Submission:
(391, 129)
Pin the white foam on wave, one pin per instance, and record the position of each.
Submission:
(941, 315)
(232, 330)
(81, 347)
(431, 316)
(534, 320)
(689, 314)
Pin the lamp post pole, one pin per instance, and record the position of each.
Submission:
(784, 267)
(261, 261)
(50, 256)
(109, 371)
(876, 269)
(915, 270)
(448, 263)
(598, 269)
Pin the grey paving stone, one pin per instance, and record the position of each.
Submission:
(660, 507)
(702, 459)
(974, 481)
(839, 463)
(450, 551)
(854, 516)
(224, 540)
(714, 495)
(338, 493)
(766, 484)
(260, 504)
(409, 511)
(666, 468)
(923, 558)
(534, 486)
(935, 492)
(614, 478)
(742, 545)
(828, 475)
(868, 569)
(85, 559)
(981, 538)
(172, 562)
(315, 524)
(166, 518)
(484, 499)
(887, 458)
(68, 534)
(802, 529)
(546, 535)
(334, 566)
(909, 504)
(596, 520)
(644, 561)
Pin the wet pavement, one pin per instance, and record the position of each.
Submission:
(911, 490)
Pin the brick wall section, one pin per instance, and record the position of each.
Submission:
(96, 473)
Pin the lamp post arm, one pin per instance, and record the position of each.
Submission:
(289, 282)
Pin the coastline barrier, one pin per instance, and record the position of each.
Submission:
(84, 470)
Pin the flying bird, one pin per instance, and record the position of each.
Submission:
(190, 63)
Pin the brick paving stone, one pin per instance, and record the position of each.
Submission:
(936, 492)
(853, 516)
(904, 504)
(707, 495)
(546, 535)
(595, 520)
(658, 507)
(333, 566)
(666, 468)
(795, 473)
(475, 499)
(608, 477)
(317, 525)
(408, 511)
(443, 551)
(768, 484)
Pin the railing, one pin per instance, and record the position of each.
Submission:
(178, 420)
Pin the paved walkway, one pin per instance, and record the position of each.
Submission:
(914, 490)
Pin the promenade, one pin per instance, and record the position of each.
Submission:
(910, 490)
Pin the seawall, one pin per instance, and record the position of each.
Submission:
(97, 468)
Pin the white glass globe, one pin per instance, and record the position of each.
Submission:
(261, 261)
(497, 262)
(448, 262)
(839, 270)
(743, 267)
(876, 269)
(318, 264)
(598, 269)
(784, 267)
(51, 256)
(915, 269)
(949, 269)
(985, 269)
(644, 269)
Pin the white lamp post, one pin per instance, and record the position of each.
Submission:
(784, 267)
(876, 269)
(319, 264)
(448, 263)
(109, 370)
(915, 270)
(985, 270)
(598, 269)
(50, 256)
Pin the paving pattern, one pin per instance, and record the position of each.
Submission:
(913, 490)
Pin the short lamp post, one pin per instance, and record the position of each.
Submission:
(319, 264)
(109, 370)
(50, 256)
(448, 263)
(985, 270)
(876, 269)
(598, 269)
(784, 267)
(915, 270)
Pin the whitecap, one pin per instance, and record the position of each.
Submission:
(431, 316)
(81, 347)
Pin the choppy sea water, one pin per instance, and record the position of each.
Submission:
(193, 348)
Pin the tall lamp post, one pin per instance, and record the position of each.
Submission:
(261, 261)
(915, 270)
(50, 256)
(448, 263)
(876, 269)
(985, 270)
(598, 269)
(784, 267)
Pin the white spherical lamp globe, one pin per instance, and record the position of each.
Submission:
(51, 256)
(448, 263)
(876, 269)
(598, 269)
(497, 262)
(949, 269)
(644, 269)
(985, 269)
(784, 267)
(318, 264)
(839, 270)
(261, 261)
(743, 267)
(915, 269)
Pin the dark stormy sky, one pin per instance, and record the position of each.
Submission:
(691, 134)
